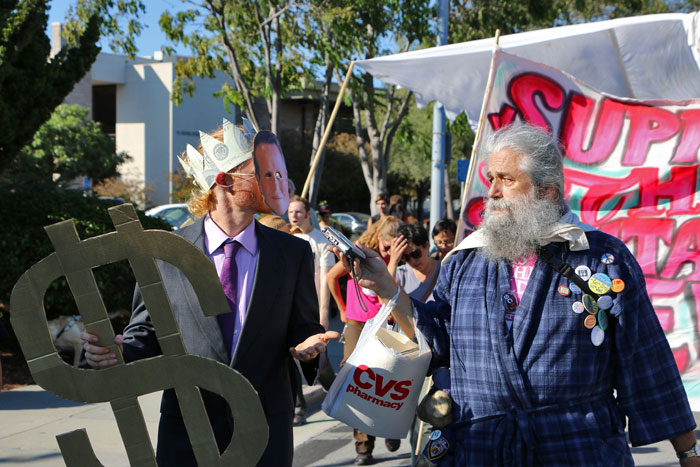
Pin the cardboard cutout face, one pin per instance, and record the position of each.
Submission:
(271, 173)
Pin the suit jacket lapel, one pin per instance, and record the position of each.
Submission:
(264, 291)
(211, 331)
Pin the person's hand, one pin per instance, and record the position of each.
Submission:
(690, 462)
(342, 316)
(371, 273)
(96, 355)
(324, 322)
(312, 346)
(398, 247)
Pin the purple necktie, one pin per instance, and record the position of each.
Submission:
(229, 281)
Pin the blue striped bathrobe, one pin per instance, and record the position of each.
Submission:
(543, 393)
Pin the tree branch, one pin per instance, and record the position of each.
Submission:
(219, 15)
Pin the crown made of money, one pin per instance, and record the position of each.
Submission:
(218, 156)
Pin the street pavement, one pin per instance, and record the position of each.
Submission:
(30, 419)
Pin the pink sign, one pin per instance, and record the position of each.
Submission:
(631, 170)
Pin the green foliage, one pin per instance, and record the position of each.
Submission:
(120, 22)
(255, 42)
(410, 166)
(379, 27)
(25, 212)
(67, 146)
(478, 19)
(341, 174)
(30, 85)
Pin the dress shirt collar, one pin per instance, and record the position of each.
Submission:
(217, 237)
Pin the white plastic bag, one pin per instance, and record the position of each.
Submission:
(377, 389)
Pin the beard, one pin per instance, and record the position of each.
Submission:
(512, 229)
(252, 199)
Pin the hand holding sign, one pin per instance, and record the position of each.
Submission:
(75, 259)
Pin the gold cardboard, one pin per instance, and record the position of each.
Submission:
(74, 259)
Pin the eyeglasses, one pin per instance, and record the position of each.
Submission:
(445, 243)
(415, 254)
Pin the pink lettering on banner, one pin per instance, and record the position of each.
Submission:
(606, 133)
(655, 211)
(647, 125)
(523, 90)
(641, 183)
(684, 250)
(687, 150)
(645, 233)
(505, 117)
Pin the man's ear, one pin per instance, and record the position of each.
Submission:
(548, 193)
(224, 180)
(308, 213)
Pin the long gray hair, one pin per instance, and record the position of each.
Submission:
(541, 155)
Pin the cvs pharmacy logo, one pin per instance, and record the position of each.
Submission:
(365, 378)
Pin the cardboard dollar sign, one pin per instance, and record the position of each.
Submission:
(75, 259)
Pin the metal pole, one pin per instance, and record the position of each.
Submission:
(437, 180)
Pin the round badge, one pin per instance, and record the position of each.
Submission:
(590, 322)
(589, 304)
(435, 435)
(583, 271)
(577, 307)
(618, 285)
(220, 151)
(597, 336)
(605, 302)
(574, 288)
(510, 301)
(599, 283)
(564, 290)
(607, 258)
(602, 320)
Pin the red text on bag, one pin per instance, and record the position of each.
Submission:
(365, 378)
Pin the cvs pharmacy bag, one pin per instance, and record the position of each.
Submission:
(377, 389)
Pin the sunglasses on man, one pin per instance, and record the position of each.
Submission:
(415, 254)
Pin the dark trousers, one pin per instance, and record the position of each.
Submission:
(174, 448)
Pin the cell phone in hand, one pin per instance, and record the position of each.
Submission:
(343, 244)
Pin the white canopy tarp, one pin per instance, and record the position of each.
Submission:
(645, 57)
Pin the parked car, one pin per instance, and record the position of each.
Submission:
(355, 221)
(174, 214)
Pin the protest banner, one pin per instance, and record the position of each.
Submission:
(631, 170)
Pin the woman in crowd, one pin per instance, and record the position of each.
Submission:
(444, 234)
(418, 275)
(396, 207)
(358, 309)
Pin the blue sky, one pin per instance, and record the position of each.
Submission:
(151, 37)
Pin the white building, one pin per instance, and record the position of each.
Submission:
(131, 98)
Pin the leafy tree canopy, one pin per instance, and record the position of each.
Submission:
(67, 146)
(31, 85)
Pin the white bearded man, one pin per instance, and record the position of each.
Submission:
(268, 279)
(545, 365)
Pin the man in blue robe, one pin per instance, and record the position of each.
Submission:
(543, 373)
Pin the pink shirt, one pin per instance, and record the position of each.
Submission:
(352, 305)
(353, 310)
(246, 261)
(520, 275)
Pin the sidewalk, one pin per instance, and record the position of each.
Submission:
(30, 419)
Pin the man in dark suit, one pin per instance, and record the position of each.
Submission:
(274, 313)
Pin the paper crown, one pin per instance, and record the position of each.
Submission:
(219, 157)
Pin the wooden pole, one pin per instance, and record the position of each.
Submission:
(480, 124)
(422, 423)
(326, 134)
